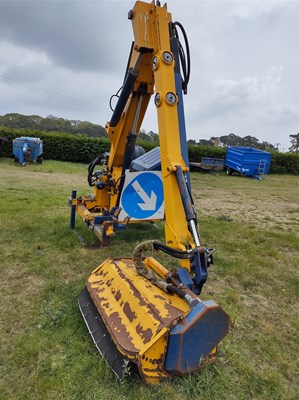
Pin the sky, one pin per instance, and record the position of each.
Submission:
(66, 58)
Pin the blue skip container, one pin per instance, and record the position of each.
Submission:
(247, 161)
(27, 149)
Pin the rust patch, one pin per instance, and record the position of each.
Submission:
(129, 313)
(102, 273)
(173, 311)
(99, 282)
(120, 333)
(151, 309)
(109, 282)
(117, 295)
(159, 297)
(98, 290)
(146, 334)
(126, 337)
(132, 287)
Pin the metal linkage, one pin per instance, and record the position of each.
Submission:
(187, 203)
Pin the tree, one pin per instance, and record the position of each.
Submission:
(250, 141)
(154, 137)
(295, 143)
(230, 139)
(205, 142)
(52, 124)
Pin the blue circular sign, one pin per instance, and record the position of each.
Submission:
(143, 196)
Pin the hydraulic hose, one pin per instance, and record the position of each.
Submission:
(188, 254)
(184, 59)
(122, 100)
(151, 245)
(90, 171)
(127, 89)
(190, 300)
(187, 204)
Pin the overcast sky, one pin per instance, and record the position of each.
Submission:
(66, 58)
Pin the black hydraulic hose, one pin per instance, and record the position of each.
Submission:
(173, 289)
(127, 89)
(125, 93)
(173, 252)
(150, 245)
(186, 199)
(176, 255)
(112, 97)
(193, 302)
(187, 204)
(184, 59)
(90, 171)
(91, 165)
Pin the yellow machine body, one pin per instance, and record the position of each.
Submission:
(140, 317)
(137, 312)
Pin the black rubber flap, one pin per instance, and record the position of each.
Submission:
(117, 362)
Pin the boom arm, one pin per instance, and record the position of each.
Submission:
(152, 64)
(155, 64)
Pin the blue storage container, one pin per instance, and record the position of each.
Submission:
(27, 149)
(247, 161)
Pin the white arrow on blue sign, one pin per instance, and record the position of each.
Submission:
(142, 196)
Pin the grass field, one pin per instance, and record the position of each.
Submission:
(46, 352)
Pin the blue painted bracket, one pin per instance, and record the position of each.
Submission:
(73, 209)
(199, 264)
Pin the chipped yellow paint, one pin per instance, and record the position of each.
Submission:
(84, 213)
(151, 359)
(133, 309)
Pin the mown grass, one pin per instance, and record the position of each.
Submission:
(46, 352)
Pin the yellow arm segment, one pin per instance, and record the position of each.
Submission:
(154, 62)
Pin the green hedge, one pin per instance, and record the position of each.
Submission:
(83, 149)
(196, 152)
(58, 145)
(284, 163)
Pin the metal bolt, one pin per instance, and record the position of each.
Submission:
(130, 14)
(170, 98)
(155, 63)
(167, 57)
(157, 99)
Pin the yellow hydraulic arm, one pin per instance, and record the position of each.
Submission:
(151, 66)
